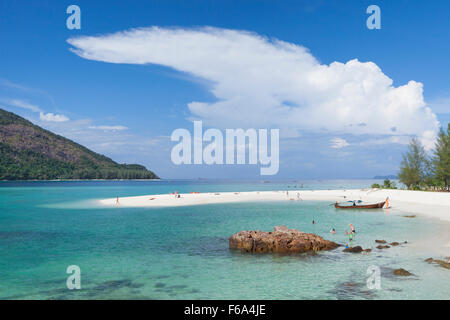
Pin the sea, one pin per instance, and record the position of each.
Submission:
(48, 227)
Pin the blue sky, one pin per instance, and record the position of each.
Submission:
(129, 110)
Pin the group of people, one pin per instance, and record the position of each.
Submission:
(297, 194)
(175, 194)
(351, 234)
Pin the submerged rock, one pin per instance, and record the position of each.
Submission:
(411, 216)
(402, 272)
(383, 247)
(356, 249)
(394, 243)
(380, 241)
(281, 240)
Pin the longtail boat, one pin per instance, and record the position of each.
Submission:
(362, 206)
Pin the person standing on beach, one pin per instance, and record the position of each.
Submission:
(117, 201)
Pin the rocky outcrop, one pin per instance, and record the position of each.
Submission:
(402, 272)
(442, 263)
(281, 240)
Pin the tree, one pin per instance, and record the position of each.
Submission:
(414, 167)
(441, 159)
(388, 184)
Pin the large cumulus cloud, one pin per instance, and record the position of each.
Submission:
(260, 82)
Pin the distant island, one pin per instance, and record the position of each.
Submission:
(386, 177)
(29, 152)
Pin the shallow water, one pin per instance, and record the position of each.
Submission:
(182, 253)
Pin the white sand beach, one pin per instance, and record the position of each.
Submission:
(432, 204)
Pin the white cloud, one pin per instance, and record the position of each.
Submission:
(266, 83)
(111, 128)
(338, 143)
(52, 117)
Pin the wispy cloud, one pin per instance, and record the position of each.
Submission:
(51, 117)
(338, 143)
(24, 105)
(440, 105)
(109, 128)
(386, 140)
(261, 82)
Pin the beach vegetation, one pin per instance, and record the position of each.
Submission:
(420, 171)
(387, 184)
(441, 159)
(414, 165)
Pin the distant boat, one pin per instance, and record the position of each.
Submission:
(361, 206)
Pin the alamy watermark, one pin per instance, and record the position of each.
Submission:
(374, 279)
(74, 280)
(374, 20)
(190, 149)
(74, 20)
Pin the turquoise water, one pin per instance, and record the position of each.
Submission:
(182, 253)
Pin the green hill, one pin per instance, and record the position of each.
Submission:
(28, 152)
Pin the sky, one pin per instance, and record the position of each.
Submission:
(345, 98)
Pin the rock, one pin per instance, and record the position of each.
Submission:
(411, 216)
(380, 241)
(367, 250)
(442, 263)
(394, 243)
(383, 247)
(283, 229)
(356, 249)
(402, 272)
(281, 240)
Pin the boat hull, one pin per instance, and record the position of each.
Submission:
(366, 206)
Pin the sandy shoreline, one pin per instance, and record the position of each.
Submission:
(432, 204)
